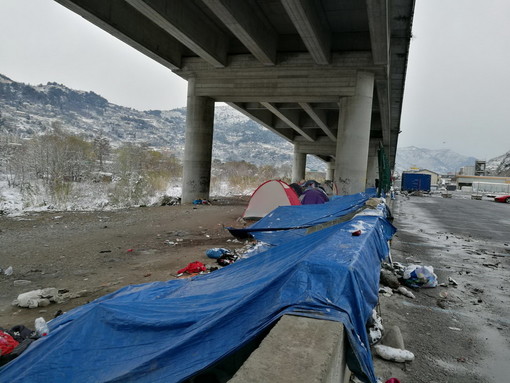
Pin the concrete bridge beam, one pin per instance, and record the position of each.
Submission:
(196, 177)
(353, 136)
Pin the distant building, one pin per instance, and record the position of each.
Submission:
(435, 178)
(467, 171)
(484, 184)
(480, 168)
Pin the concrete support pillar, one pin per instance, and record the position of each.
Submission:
(354, 136)
(196, 177)
(299, 166)
(330, 171)
(373, 164)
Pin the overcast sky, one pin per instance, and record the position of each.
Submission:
(457, 86)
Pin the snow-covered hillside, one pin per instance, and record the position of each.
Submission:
(27, 110)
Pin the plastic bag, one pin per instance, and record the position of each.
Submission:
(216, 252)
(420, 276)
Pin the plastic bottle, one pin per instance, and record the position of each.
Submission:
(41, 328)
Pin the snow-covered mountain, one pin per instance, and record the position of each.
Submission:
(26, 110)
(500, 165)
(442, 161)
(446, 161)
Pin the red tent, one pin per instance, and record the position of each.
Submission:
(268, 197)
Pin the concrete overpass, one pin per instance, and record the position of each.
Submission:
(326, 75)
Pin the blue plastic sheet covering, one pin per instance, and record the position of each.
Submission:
(169, 331)
(304, 216)
(277, 237)
(288, 223)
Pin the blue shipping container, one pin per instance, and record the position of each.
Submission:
(415, 181)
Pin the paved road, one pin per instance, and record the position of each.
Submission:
(481, 219)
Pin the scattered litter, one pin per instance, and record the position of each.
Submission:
(41, 328)
(452, 281)
(44, 297)
(393, 354)
(105, 251)
(443, 294)
(398, 266)
(216, 252)
(375, 327)
(21, 282)
(193, 267)
(455, 328)
(8, 271)
(201, 202)
(129, 250)
(170, 201)
(7, 343)
(170, 243)
(226, 259)
(392, 380)
(386, 291)
(356, 233)
(420, 276)
(388, 278)
(402, 290)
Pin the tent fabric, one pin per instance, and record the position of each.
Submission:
(269, 196)
(313, 196)
(169, 331)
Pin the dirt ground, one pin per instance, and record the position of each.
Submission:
(463, 336)
(95, 253)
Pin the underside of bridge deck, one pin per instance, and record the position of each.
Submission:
(288, 64)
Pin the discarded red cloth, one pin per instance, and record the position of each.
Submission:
(357, 233)
(193, 267)
(7, 343)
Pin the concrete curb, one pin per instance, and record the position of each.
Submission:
(298, 349)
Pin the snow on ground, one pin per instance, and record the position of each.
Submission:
(10, 199)
(89, 197)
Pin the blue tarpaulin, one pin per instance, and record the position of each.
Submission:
(287, 223)
(169, 331)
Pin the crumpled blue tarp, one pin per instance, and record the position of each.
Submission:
(169, 331)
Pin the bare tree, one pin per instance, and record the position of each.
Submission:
(101, 149)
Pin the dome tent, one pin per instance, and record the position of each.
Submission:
(268, 196)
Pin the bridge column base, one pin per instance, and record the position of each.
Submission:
(196, 177)
(298, 166)
(354, 136)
